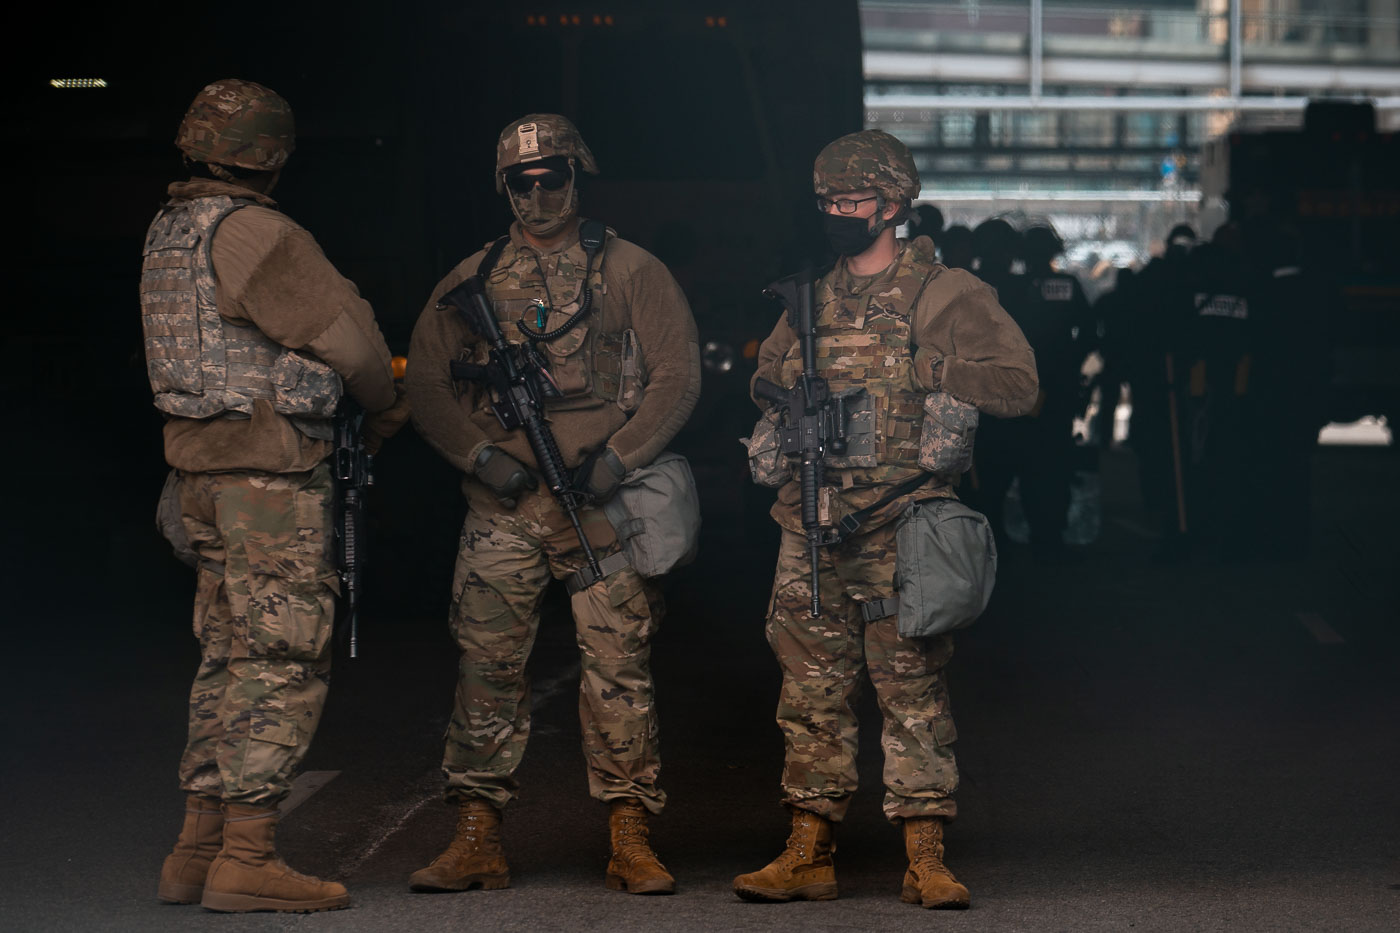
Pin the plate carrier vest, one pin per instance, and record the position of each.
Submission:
(865, 342)
(201, 365)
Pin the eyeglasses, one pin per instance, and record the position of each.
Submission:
(549, 180)
(843, 205)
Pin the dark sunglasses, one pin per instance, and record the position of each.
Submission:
(550, 180)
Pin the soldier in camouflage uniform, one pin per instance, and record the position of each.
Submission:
(890, 320)
(628, 373)
(251, 339)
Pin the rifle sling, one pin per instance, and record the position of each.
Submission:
(851, 523)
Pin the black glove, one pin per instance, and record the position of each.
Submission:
(504, 475)
(604, 475)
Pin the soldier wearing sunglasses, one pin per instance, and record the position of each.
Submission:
(621, 348)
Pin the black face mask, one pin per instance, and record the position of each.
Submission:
(848, 236)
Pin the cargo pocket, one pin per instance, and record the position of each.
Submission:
(944, 731)
(275, 733)
(291, 604)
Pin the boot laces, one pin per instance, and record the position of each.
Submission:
(928, 852)
(471, 836)
(800, 840)
(630, 840)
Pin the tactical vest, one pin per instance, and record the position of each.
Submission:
(201, 365)
(864, 347)
(590, 366)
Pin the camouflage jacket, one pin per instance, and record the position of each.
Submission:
(936, 329)
(629, 371)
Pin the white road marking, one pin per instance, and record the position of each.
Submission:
(428, 791)
(1324, 633)
(306, 784)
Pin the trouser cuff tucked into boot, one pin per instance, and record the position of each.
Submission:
(474, 858)
(634, 867)
(927, 881)
(185, 868)
(804, 871)
(248, 875)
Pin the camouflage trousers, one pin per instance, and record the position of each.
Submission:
(504, 562)
(263, 610)
(823, 660)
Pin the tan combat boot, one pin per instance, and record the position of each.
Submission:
(634, 867)
(803, 872)
(248, 875)
(474, 856)
(928, 881)
(182, 875)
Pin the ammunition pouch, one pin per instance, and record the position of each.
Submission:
(767, 464)
(949, 431)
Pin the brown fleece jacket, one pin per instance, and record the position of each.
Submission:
(965, 344)
(638, 293)
(272, 274)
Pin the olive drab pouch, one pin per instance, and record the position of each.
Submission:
(767, 465)
(172, 528)
(949, 430)
(945, 567)
(656, 515)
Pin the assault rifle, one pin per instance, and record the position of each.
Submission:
(814, 422)
(354, 473)
(520, 382)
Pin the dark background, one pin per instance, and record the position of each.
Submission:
(1142, 745)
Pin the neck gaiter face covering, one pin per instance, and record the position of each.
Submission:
(544, 213)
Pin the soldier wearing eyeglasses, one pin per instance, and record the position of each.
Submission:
(620, 344)
(901, 329)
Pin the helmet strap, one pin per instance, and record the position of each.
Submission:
(879, 214)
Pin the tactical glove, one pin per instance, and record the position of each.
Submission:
(604, 475)
(504, 475)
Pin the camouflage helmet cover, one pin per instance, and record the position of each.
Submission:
(867, 159)
(538, 136)
(240, 123)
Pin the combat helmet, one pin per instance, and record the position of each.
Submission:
(537, 136)
(238, 123)
(867, 159)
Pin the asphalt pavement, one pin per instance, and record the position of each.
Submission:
(1204, 745)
